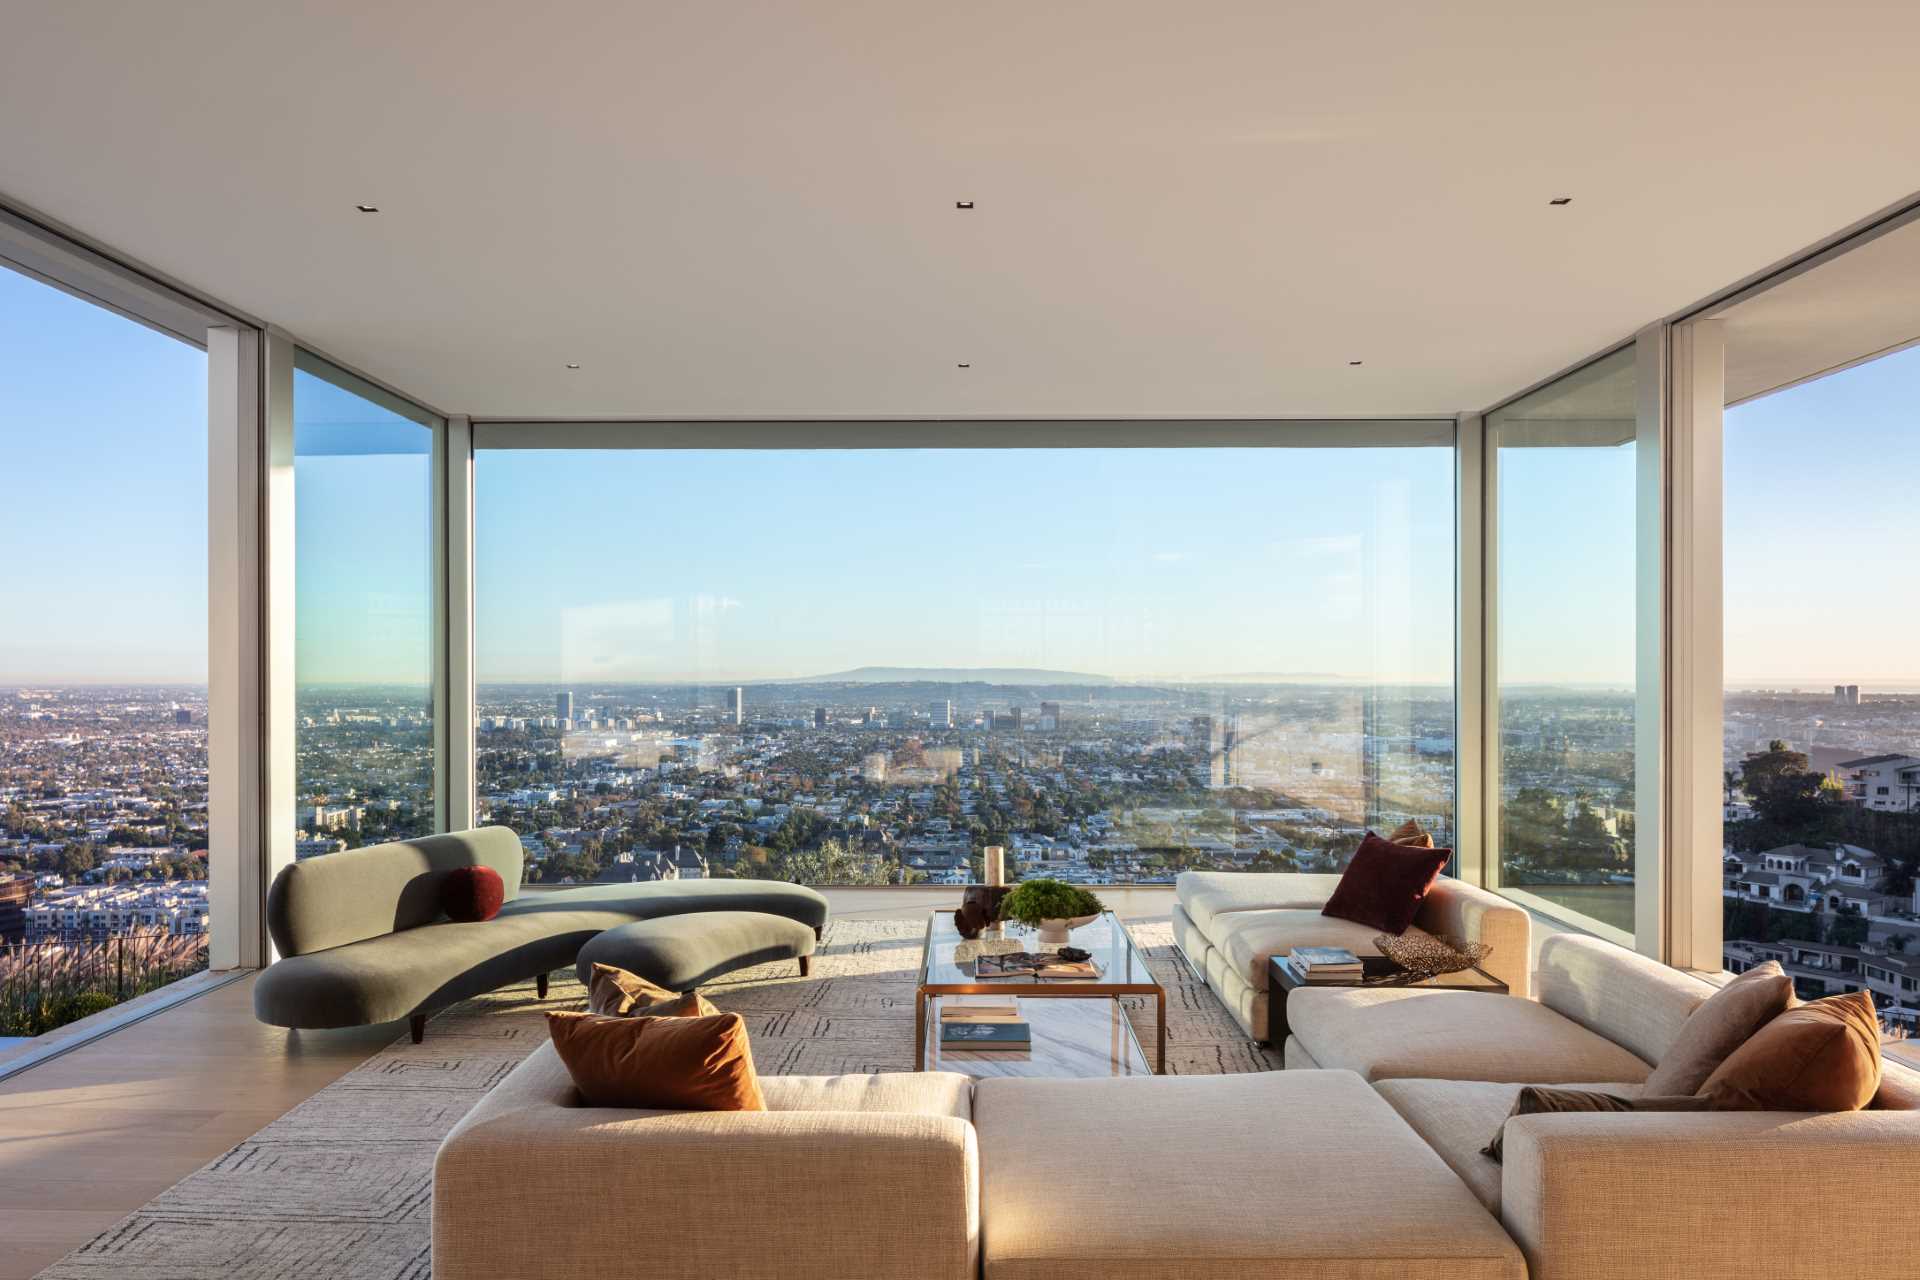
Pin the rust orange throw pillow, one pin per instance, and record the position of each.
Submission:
(1822, 1056)
(615, 993)
(672, 1064)
(1385, 883)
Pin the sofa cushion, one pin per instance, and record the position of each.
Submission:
(1823, 1056)
(1721, 1024)
(1414, 1032)
(1383, 885)
(686, 951)
(1624, 996)
(919, 1093)
(1899, 1087)
(1207, 895)
(1456, 1117)
(1330, 1183)
(654, 898)
(1245, 939)
(834, 1167)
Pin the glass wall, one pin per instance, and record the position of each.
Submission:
(1822, 745)
(103, 658)
(1565, 645)
(865, 666)
(364, 616)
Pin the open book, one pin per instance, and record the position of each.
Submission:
(1033, 964)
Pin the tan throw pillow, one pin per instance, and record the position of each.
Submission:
(1722, 1023)
(1411, 834)
(1534, 1101)
(672, 1064)
(1821, 1056)
(614, 993)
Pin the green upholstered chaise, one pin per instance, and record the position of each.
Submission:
(362, 938)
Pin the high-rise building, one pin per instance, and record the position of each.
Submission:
(1049, 715)
(819, 717)
(940, 712)
(563, 705)
(739, 706)
(1846, 695)
(182, 715)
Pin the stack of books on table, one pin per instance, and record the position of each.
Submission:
(983, 1022)
(1325, 964)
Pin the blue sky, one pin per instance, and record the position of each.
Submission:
(1821, 517)
(103, 501)
(1134, 563)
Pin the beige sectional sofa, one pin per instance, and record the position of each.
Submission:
(1361, 1161)
(1296, 1175)
(1229, 923)
(1700, 1195)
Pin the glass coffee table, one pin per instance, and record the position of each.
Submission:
(1079, 1026)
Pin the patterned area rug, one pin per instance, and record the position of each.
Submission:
(339, 1188)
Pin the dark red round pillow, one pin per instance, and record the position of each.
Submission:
(472, 894)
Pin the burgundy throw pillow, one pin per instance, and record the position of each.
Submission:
(471, 894)
(1385, 883)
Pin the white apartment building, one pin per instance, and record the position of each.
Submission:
(1889, 783)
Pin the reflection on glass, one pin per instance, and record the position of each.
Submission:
(1565, 462)
(363, 504)
(865, 666)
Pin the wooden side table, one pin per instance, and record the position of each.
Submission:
(1376, 971)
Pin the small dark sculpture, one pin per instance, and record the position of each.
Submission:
(979, 907)
(1075, 954)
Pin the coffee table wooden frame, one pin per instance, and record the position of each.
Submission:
(1047, 988)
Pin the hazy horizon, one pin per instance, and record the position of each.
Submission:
(710, 567)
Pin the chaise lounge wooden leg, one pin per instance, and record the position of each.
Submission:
(417, 1025)
(819, 932)
(806, 965)
(540, 986)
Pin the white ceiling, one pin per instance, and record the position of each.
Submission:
(746, 209)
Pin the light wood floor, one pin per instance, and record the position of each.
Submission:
(90, 1136)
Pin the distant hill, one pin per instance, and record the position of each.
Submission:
(951, 675)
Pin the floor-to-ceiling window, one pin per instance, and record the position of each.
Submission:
(103, 657)
(1564, 640)
(868, 665)
(1821, 752)
(364, 616)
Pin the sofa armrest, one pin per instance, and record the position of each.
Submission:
(1621, 1197)
(530, 1184)
(1467, 911)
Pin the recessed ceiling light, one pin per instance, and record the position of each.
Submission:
(1352, 363)
(1559, 200)
(963, 366)
(963, 204)
(573, 366)
(368, 208)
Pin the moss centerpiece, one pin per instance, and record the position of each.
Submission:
(1052, 906)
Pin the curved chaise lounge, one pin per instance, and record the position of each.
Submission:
(362, 938)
